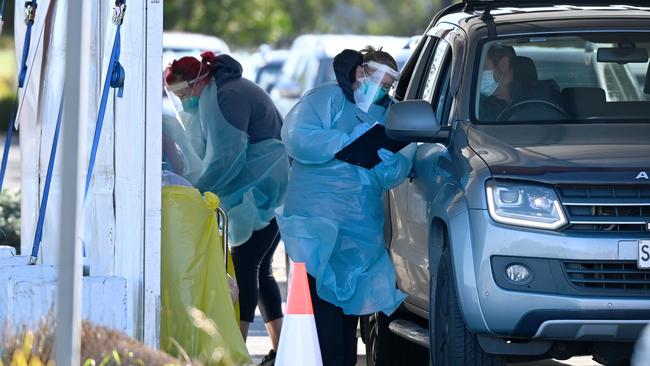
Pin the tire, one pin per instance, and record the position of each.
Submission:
(384, 348)
(452, 344)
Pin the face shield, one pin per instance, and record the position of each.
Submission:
(182, 97)
(377, 81)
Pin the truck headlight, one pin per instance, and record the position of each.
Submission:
(525, 205)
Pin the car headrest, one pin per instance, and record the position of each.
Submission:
(583, 101)
(524, 68)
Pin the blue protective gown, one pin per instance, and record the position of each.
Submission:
(333, 216)
(250, 177)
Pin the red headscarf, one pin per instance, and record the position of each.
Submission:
(188, 68)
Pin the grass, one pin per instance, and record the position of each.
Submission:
(99, 347)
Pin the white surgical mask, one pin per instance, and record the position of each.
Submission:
(488, 84)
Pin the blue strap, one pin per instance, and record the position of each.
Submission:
(114, 79)
(30, 8)
(30, 13)
(46, 190)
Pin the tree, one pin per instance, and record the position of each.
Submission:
(247, 22)
(251, 22)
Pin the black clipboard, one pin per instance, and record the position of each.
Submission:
(363, 150)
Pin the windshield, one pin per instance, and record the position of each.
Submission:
(564, 78)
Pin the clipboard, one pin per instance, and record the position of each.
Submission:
(363, 151)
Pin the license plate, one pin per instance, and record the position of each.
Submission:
(643, 260)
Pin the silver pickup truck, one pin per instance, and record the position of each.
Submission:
(522, 234)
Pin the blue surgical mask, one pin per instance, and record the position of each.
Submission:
(367, 94)
(380, 94)
(190, 103)
(488, 84)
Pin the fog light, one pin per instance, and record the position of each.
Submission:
(518, 273)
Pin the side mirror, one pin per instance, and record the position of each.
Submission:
(414, 121)
(289, 89)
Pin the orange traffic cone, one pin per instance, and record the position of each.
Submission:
(299, 339)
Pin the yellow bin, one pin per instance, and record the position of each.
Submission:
(199, 319)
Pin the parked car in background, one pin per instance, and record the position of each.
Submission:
(179, 44)
(309, 63)
(403, 55)
(523, 233)
(270, 68)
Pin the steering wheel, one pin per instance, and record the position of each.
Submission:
(532, 105)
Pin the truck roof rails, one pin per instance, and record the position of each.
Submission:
(471, 4)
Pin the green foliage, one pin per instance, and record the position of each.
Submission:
(252, 22)
(10, 219)
(8, 80)
(237, 21)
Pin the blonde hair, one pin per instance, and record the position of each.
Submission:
(377, 55)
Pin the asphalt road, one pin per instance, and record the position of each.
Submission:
(259, 344)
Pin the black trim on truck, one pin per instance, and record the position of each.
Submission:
(529, 324)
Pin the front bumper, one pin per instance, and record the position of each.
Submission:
(552, 312)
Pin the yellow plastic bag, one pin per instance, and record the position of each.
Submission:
(198, 315)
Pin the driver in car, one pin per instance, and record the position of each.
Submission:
(510, 89)
(496, 82)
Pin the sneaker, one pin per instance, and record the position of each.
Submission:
(268, 360)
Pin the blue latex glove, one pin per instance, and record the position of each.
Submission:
(393, 169)
(358, 130)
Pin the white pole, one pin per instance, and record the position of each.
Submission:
(153, 157)
(68, 328)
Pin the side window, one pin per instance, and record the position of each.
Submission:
(435, 88)
(442, 101)
(435, 67)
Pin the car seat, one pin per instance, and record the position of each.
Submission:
(526, 85)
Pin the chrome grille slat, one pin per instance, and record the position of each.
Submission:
(606, 208)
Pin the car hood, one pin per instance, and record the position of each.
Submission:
(565, 153)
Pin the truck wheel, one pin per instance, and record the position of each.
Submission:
(384, 348)
(380, 349)
(452, 343)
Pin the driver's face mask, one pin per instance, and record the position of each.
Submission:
(376, 82)
(488, 82)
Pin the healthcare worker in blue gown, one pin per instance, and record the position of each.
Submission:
(226, 139)
(333, 216)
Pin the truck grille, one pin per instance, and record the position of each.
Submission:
(606, 208)
(610, 276)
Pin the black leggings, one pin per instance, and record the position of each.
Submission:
(255, 280)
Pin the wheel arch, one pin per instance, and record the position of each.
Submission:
(450, 228)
